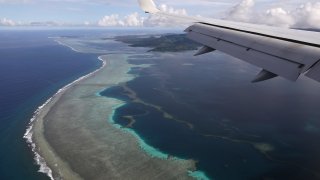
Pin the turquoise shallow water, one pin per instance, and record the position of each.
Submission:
(239, 130)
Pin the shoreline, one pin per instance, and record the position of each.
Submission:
(39, 113)
(50, 163)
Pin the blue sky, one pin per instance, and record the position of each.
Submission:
(64, 11)
(127, 12)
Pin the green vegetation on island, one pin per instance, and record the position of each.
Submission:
(160, 43)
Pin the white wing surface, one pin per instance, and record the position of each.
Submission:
(278, 51)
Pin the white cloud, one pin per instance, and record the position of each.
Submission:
(135, 20)
(308, 15)
(284, 13)
(242, 11)
(156, 20)
(171, 10)
(7, 22)
(86, 23)
(131, 20)
(304, 16)
(278, 17)
(111, 20)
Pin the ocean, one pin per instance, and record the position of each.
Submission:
(32, 68)
(206, 109)
(200, 108)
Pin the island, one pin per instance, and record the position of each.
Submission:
(160, 43)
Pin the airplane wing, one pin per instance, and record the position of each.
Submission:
(278, 51)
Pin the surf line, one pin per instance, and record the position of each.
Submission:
(28, 135)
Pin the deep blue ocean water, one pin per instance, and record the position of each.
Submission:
(241, 130)
(230, 116)
(32, 68)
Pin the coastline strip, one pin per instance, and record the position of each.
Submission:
(29, 134)
(56, 166)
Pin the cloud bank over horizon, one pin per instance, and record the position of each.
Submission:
(281, 13)
(306, 15)
(135, 20)
(7, 22)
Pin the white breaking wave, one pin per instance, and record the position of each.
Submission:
(44, 168)
(62, 44)
(28, 136)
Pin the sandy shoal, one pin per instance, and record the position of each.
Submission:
(77, 139)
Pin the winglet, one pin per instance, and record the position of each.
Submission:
(148, 6)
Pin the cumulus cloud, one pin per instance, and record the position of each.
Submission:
(111, 20)
(131, 20)
(242, 11)
(278, 17)
(7, 22)
(171, 10)
(135, 20)
(156, 20)
(307, 15)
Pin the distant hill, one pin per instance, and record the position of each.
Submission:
(161, 43)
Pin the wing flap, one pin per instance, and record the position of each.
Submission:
(314, 73)
(288, 69)
(263, 76)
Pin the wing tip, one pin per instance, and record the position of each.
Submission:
(148, 6)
